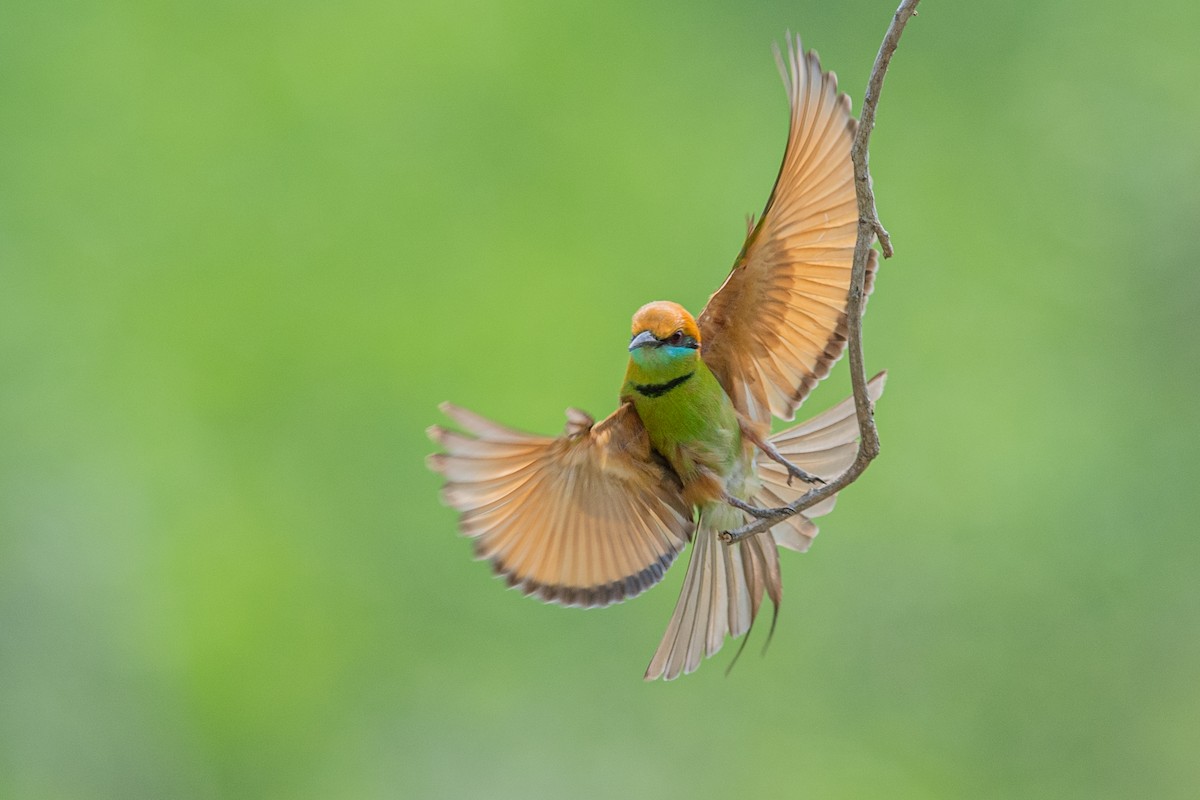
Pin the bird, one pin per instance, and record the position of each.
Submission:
(598, 514)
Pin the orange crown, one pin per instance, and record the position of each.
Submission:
(662, 318)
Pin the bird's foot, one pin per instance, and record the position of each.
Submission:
(764, 519)
(754, 511)
(773, 453)
(795, 472)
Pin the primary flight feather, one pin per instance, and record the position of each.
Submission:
(599, 513)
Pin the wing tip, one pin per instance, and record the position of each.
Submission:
(808, 64)
(452, 411)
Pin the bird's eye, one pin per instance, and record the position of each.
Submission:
(676, 338)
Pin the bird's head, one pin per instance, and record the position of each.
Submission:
(664, 333)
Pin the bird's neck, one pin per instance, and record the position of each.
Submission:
(661, 368)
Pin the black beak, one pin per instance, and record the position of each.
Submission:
(644, 339)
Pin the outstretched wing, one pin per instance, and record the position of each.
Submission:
(587, 519)
(778, 323)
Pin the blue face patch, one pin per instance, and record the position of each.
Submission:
(661, 356)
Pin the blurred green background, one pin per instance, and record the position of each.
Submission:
(245, 248)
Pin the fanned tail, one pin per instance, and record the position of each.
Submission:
(722, 593)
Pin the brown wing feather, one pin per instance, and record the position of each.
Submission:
(777, 325)
(824, 446)
(589, 518)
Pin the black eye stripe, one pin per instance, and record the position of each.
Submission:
(676, 339)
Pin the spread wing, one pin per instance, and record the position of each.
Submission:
(778, 323)
(588, 519)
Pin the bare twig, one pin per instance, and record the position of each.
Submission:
(869, 227)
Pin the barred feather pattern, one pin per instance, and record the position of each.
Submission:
(586, 519)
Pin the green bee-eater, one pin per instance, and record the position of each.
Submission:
(598, 514)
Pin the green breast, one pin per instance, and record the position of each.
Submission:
(686, 407)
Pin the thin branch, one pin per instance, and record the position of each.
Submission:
(869, 227)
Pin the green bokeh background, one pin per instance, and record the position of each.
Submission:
(245, 248)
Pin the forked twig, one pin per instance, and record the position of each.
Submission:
(869, 228)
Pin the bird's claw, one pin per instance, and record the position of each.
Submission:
(795, 472)
(779, 458)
